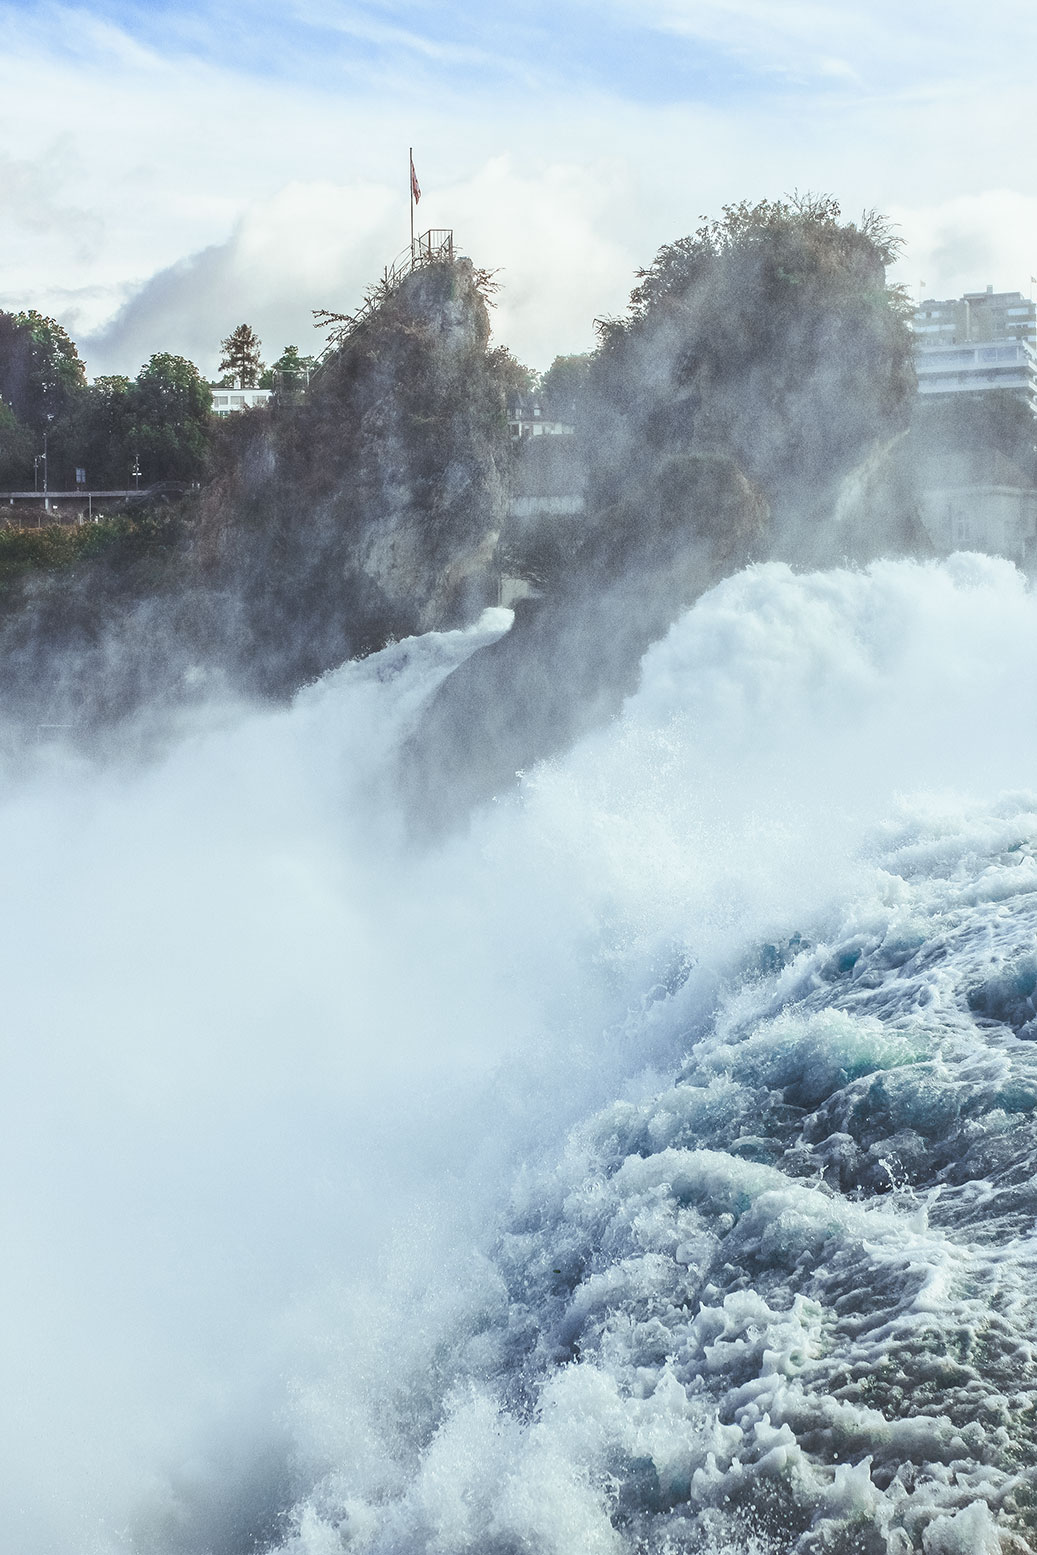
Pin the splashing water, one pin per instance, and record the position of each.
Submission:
(649, 1169)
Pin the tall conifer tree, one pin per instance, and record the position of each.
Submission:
(241, 356)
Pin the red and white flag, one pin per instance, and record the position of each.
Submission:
(415, 187)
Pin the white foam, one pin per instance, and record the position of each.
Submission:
(275, 1088)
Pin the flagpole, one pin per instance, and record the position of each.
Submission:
(410, 186)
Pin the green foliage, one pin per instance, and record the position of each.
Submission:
(102, 434)
(514, 377)
(171, 408)
(42, 381)
(564, 386)
(288, 373)
(16, 450)
(57, 548)
(793, 237)
(769, 336)
(241, 356)
(162, 419)
(40, 369)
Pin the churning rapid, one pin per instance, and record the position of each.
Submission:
(648, 1169)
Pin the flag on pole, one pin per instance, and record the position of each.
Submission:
(415, 187)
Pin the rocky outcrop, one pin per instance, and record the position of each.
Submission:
(750, 405)
(572, 656)
(372, 510)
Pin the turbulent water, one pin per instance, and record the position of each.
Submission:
(650, 1169)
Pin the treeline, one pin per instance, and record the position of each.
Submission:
(121, 432)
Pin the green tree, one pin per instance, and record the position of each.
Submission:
(54, 372)
(241, 356)
(769, 336)
(16, 451)
(514, 377)
(290, 371)
(42, 380)
(171, 419)
(563, 386)
(41, 374)
(102, 434)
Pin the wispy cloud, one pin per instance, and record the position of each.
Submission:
(565, 141)
(877, 44)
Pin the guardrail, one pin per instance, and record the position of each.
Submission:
(86, 497)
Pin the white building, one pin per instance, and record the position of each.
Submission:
(972, 344)
(526, 419)
(226, 401)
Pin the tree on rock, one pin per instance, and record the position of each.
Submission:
(241, 356)
(771, 337)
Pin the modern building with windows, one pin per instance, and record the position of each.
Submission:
(976, 343)
(226, 401)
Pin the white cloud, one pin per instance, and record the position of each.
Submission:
(205, 194)
(882, 36)
(969, 242)
(310, 245)
(319, 245)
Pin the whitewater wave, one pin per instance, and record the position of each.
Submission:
(650, 1169)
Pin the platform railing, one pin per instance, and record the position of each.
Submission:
(436, 246)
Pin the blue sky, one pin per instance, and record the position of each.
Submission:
(538, 47)
(167, 171)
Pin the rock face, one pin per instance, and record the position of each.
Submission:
(367, 512)
(770, 337)
(373, 510)
(750, 406)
